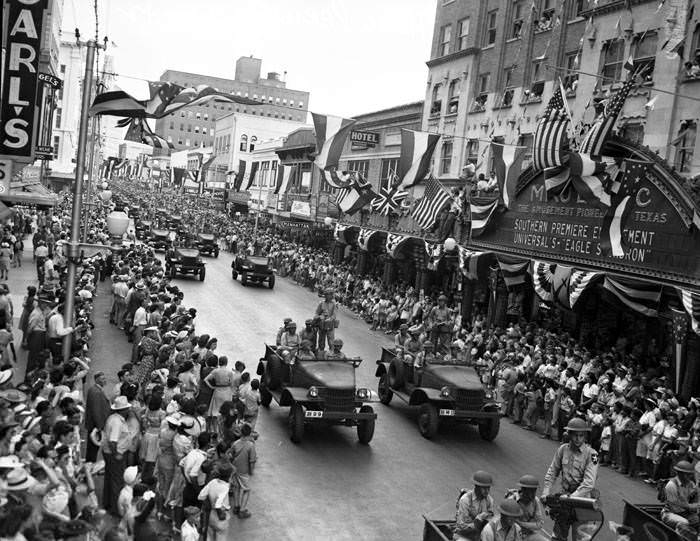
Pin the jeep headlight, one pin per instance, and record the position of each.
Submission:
(488, 395)
(199, 260)
(363, 394)
(445, 392)
(313, 392)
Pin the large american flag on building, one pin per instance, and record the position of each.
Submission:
(433, 201)
(550, 142)
(592, 142)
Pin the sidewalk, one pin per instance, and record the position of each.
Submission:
(109, 348)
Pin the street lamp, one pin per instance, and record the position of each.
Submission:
(328, 221)
(450, 244)
(117, 224)
(106, 196)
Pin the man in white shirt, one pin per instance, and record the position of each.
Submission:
(140, 323)
(56, 331)
(192, 469)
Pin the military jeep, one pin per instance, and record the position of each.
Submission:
(160, 239)
(255, 269)
(322, 392)
(143, 229)
(184, 261)
(207, 244)
(447, 393)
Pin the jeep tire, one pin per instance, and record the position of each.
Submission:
(397, 374)
(365, 427)
(384, 390)
(271, 282)
(265, 396)
(234, 274)
(244, 279)
(488, 428)
(202, 274)
(295, 423)
(273, 373)
(428, 420)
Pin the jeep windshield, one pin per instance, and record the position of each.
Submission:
(257, 260)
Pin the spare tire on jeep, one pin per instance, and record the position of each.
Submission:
(273, 373)
(397, 374)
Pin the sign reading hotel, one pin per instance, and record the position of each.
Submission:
(364, 139)
(18, 118)
(566, 229)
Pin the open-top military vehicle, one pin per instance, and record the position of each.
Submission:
(443, 392)
(319, 392)
(256, 269)
(207, 244)
(160, 239)
(143, 229)
(184, 261)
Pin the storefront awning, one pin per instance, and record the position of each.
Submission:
(31, 194)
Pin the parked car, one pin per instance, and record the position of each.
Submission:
(207, 243)
(184, 261)
(160, 239)
(316, 392)
(446, 393)
(255, 269)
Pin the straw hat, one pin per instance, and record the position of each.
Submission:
(120, 403)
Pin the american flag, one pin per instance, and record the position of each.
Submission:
(550, 141)
(433, 201)
(388, 200)
(691, 303)
(602, 127)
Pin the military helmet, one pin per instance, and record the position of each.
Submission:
(577, 425)
(510, 508)
(482, 479)
(684, 466)
(528, 481)
(337, 342)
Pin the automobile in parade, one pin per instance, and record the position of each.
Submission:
(318, 392)
(207, 243)
(179, 260)
(160, 239)
(253, 269)
(143, 229)
(444, 393)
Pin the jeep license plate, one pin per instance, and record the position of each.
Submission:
(447, 413)
(313, 414)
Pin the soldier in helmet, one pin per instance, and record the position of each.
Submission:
(310, 333)
(577, 464)
(532, 517)
(335, 354)
(474, 508)
(441, 323)
(328, 314)
(505, 526)
(282, 330)
(305, 352)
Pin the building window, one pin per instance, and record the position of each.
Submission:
(390, 168)
(436, 102)
(301, 104)
(59, 116)
(56, 145)
(453, 97)
(445, 38)
(463, 33)
(537, 84)
(206, 116)
(198, 116)
(508, 89)
(264, 172)
(189, 114)
(482, 92)
(579, 6)
(685, 146)
(182, 127)
(517, 24)
(63, 68)
(189, 128)
(634, 133)
(204, 131)
(182, 114)
(526, 140)
(491, 22)
(547, 15)
(571, 77)
(446, 158)
(645, 54)
(172, 125)
(196, 129)
(187, 142)
(291, 103)
(359, 166)
(179, 142)
(694, 55)
(472, 151)
(170, 138)
(613, 60)
(244, 143)
(252, 143)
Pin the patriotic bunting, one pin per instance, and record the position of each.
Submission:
(578, 282)
(507, 162)
(435, 198)
(251, 177)
(550, 141)
(435, 251)
(116, 102)
(238, 181)
(556, 180)
(560, 285)
(393, 242)
(480, 217)
(284, 173)
(339, 179)
(339, 232)
(416, 151)
(680, 338)
(352, 199)
(364, 237)
(587, 176)
(542, 278)
(469, 262)
(691, 303)
(388, 200)
(641, 297)
(514, 271)
(331, 133)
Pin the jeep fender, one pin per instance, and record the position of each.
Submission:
(262, 364)
(421, 395)
(381, 369)
(492, 406)
(290, 395)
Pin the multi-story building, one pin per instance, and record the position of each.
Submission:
(195, 126)
(494, 66)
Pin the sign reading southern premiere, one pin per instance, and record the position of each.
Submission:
(364, 139)
(565, 228)
(20, 79)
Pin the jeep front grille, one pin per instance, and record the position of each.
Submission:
(337, 399)
(469, 400)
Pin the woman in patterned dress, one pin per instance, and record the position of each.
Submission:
(151, 420)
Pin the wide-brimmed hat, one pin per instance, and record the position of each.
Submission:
(10, 462)
(147, 329)
(19, 479)
(120, 403)
(5, 375)
(684, 466)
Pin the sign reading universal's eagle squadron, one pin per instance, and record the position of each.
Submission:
(657, 237)
(20, 77)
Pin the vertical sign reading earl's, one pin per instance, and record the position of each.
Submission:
(20, 79)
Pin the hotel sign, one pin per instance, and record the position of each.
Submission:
(566, 229)
(364, 139)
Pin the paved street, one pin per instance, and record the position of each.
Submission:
(330, 486)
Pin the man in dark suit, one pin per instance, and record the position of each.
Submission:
(96, 412)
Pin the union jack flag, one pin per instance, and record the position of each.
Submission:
(388, 200)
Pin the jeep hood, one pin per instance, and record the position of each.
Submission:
(461, 377)
(334, 374)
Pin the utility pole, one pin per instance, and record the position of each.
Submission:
(91, 159)
(74, 245)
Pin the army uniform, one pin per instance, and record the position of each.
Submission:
(578, 469)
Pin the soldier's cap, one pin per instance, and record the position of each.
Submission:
(528, 481)
(482, 479)
(577, 425)
(287, 320)
(510, 508)
(684, 466)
